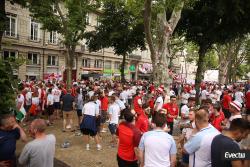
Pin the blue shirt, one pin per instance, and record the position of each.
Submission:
(8, 144)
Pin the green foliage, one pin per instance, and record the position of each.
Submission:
(67, 17)
(215, 21)
(7, 94)
(119, 28)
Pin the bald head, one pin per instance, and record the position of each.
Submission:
(38, 125)
(201, 118)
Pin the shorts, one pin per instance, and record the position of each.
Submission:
(98, 121)
(50, 110)
(185, 158)
(68, 114)
(88, 132)
(226, 113)
(104, 115)
(79, 112)
(124, 163)
(57, 105)
(112, 128)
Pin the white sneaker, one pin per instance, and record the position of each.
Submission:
(99, 147)
(103, 131)
(87, 147)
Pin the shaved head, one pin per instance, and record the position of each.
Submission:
(39, 125)
(201, 117)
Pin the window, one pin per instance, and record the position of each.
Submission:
(33, 58)
(98, 63)
(108, 64)
(9, 55)
(87, 18)
(11, 26)
(34, 30)
(117, 65)
(98, 21)
(86, 63)
(53, 37)
(52, 61)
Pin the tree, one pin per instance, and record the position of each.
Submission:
(209, 22)
(120, 29)
(68, 18)
(158, 39)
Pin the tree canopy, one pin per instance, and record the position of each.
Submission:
(119, 28)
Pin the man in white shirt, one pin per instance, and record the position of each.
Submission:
(185, 111)
(56, 96)
(159, 101)
(199, 146)
(88, 126)
(124, 96)
(184, 97)
(113, 111)
(239, 96)
(157, 148)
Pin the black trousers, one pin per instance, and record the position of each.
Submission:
(123, 163)
(171, 126)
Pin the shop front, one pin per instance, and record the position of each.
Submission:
(91, 73)
(145, 71)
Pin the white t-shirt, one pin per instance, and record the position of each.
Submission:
(157, 146)
(35, 100)
(28, 98)
(124, 96)
(185, 110)
(199, 147)
(193, 93)
(114, 111)
(159, 103)
(56, 94)
(20, 99)
(90, 108)
(239, 96)
(204, 94)
(218, 93)
(184, 98)
(120, 104)
(98, 104)
(50, 99)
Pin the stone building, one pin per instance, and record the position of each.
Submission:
(44, 54)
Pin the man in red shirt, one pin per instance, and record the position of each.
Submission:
(217, 117)
(172, 112)
(227, 98)
(138, 102)
(142, 120)
(104, 108)
(129, 138)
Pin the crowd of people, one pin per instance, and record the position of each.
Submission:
(142, 120)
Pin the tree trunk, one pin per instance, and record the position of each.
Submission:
(200, 71)
(122, 69)
(161, 58)
(2, 22)
(69, 65)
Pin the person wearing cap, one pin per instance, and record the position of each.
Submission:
(159, 100)
(235, 110)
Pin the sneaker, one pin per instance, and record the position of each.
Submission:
(103, 131)
(87, 147)
(99, 147)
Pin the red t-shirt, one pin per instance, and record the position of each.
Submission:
(217, 120)
(248, 100)
(104, 103)
(226, 101)
(137, 107)
(172, 109)
(129, 138)
(142, 123)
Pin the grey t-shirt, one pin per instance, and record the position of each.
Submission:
(39, 152)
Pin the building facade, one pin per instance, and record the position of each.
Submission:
(43, 54)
